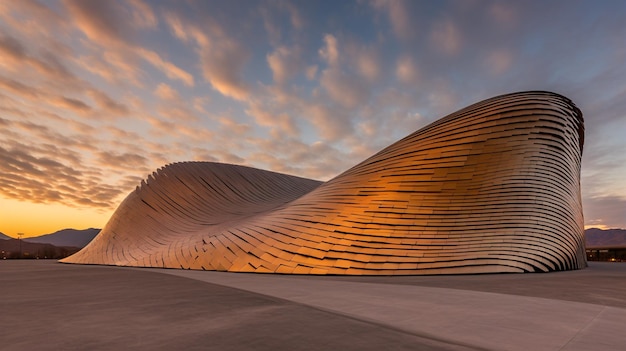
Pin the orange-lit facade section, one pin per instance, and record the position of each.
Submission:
(492, 188)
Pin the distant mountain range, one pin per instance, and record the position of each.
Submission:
(4, 237)
(66, 237)
(595, 237)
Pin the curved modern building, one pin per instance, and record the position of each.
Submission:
(494, 187)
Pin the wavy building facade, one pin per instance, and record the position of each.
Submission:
(492, 188)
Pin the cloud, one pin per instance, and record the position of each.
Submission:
(398, 14)
(143, 16)
(173, 109)
(368, 63)
(18, 88)
(171, 71)
(284, 63)
(104, 22)
(23, 176)
(177, 27)
(504, 13)
(222, 58)
(115, 67)
(71, 104)
(44, 97)
(288, 155)
(348, 90)
(311, 72)
(222, 64)
(177, 124)
(165, 92)
(217, 155)
(108, 24)
(499, 61)
(274, 13)
(17, 14)
(16, 58)
(330, 51)
(200, 102)
(123, 161)
(446, 37)
(107, 105)
(11, 48)
(46, 140)
(177, 114)
(331, 124)
(99, 67)
(295, 17)
(123, 68)
(276, 120)
(406, 70)
(442, 98)
(232, 127)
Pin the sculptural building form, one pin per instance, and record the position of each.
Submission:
(494, 187)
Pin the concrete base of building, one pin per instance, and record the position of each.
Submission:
(51, 306)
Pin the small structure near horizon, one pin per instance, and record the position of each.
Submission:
(607, 253)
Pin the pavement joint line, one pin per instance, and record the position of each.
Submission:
(585, 328)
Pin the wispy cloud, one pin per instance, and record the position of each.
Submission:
(143, 15)
(399, 17)
(170, 70)
(499, 61)
(285, 63)
(222, 58)
(105, 22)
(406, 70)
(446, 37)
(109, 24)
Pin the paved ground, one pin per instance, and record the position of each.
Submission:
(49, 306)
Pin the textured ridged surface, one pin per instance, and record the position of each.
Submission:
(494, 187)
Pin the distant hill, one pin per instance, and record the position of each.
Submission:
(66, 237)
(595, 237)
(4, 236)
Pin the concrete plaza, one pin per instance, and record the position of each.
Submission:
(45, 305)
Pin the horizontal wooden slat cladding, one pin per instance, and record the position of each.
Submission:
(492, 188)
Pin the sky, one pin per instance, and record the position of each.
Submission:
(96, 95)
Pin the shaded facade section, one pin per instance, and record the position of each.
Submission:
(494, 187)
